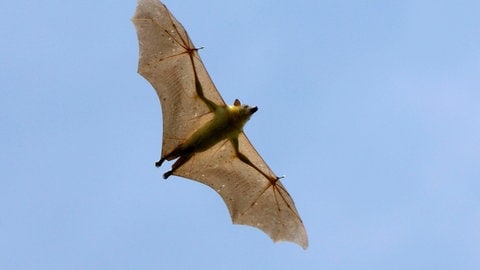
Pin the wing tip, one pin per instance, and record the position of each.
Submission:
(145, 7)
(298, 237)
(303, 243)
(300, 240)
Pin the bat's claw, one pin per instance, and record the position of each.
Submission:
(159, 163)
(167, 174)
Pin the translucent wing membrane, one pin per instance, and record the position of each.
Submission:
(251, 198)
(166, 62)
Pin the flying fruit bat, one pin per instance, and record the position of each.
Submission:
(204, 135)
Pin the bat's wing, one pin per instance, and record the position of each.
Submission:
(167, 56)
(251, 198)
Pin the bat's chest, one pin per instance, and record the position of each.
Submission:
(216, 130)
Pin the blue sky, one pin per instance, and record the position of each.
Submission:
(369, 108)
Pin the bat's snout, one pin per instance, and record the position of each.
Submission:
(253, 109)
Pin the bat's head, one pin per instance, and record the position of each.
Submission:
(241, 112)
(243, 108)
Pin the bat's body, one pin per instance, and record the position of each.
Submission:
(205, 135)
(227, 123)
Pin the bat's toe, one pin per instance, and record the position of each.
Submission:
(159, 163)
(167, 174)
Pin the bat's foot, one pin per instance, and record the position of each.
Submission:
(167, 174)
(159, 163)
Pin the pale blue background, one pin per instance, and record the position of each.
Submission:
(370, 108)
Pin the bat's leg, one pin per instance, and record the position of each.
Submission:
(247, 161)
(180, 161)
(173, 155)
(159, 163)
(167, 174)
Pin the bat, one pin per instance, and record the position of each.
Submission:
(204, 135)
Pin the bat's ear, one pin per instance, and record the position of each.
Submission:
(237, 102)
